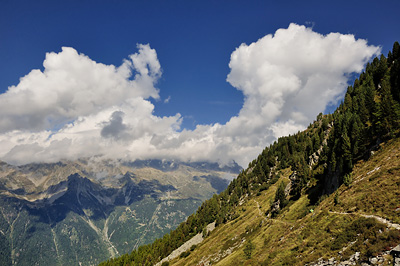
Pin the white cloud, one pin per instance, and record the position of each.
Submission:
(167, 100)
(289, 77)
(77, 107)
(73, 85)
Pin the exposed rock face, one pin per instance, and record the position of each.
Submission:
(292, 178)
(197, 239)
(313, 158)
(275, 206)
(355, 260)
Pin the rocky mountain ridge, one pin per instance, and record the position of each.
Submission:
(88, 210)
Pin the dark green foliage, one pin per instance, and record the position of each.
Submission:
(336, 198)
(347, 179)
(367, 227)
(394, 63)
(280, 195)
(248, 249)
(5, 251)
(372, 237)
(369, 114)
(35, 233)
(184, 254)
(205, 233)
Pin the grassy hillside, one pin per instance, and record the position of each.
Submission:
(297, 237)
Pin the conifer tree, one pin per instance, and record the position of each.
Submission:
(280, 195)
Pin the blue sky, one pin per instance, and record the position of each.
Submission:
(194, 41)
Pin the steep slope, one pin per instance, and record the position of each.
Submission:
(297, 175)
(365, 221)
(86, 211)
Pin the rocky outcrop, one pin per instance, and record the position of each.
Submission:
(197, 239)
(313, 158)
(355, 260)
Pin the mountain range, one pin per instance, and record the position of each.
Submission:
(85, 211)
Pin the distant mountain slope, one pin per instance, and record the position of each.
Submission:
(87, 211)
(299, 219)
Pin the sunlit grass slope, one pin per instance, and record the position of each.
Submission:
(297, 236)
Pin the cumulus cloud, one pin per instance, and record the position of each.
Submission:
(73, 85)
(294, 74)
(77, 107)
